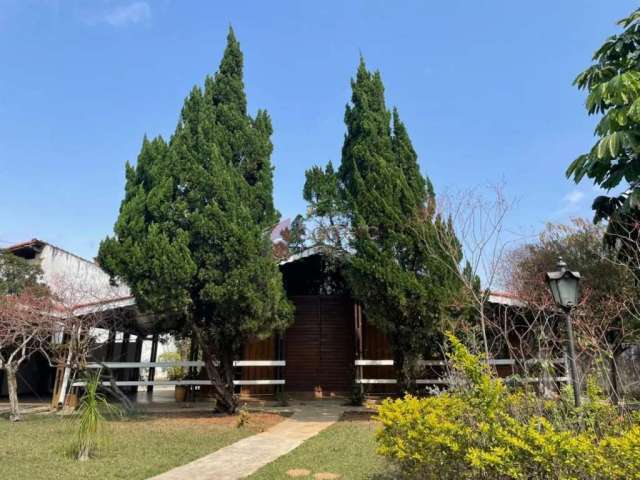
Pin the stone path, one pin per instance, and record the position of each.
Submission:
(249, 454)
(26, 407)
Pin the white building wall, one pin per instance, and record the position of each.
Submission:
(76, 280)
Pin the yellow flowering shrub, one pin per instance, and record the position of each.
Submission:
(480, 430)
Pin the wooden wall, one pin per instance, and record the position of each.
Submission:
(318, 349)
(376, 347)
(319, 346)
(259, 350)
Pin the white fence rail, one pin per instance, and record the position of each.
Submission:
(181, 364)
(184, 363)
(443, 363)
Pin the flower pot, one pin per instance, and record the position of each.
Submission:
(180, 393)
(72, 401)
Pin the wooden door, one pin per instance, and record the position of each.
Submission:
(319, 346)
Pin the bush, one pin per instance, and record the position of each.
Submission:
(481, 430)
(173, 373)
(90, 417)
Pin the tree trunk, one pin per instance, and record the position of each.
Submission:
(483, 326)
(12, 384)
(226, 400)
(615, 377)
(220, 372)
(219, 367)
(403, 371)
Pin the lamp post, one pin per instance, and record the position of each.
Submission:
(564, 285)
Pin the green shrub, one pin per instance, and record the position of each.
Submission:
(90, 417)
(481, 430)
(173, 373)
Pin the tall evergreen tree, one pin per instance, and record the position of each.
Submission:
(243, 141)
(191, 237)
(297, 235)
(402, 286)
(326, 209)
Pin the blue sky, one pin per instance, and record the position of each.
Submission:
(483, 86)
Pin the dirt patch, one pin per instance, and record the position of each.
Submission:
(326, 476)
(259, 420)
(357, 416)
(298, 472)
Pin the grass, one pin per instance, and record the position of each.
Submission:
(40, 447)
(347, 449)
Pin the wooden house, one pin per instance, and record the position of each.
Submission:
(329, 350)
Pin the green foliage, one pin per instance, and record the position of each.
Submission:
(191, 239)
(394, 233)
(326, 207)
(17, 274)
(174, 373)
(480, 430)
(613, 87)
(297, 235)
(90, 417)
(471, 278)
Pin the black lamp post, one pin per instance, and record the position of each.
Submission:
(564, 285)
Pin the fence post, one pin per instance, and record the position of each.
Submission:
(357, 316)
(192, 373)
(154, 354)
(137, 357)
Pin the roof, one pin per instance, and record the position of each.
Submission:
(101, 306)
(37, 245)
(499, 298)
(29, 243)
(506, 298)
(317, 250)
(79, 284)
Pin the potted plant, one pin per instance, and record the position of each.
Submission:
(175, 373)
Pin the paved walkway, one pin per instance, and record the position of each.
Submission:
(26, 406)
(249, 454)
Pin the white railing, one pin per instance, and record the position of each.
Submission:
(443, 363)
(184, 363)
(181, 364)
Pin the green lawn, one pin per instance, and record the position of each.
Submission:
(136, 447)
(347, 449)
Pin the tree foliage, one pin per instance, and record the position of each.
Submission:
(612, 83)
(386, 207)
(480, 429)
(326, 208)
(17, 274)
(26, 322)
(607, 319)
(191, 238)
(296, 235)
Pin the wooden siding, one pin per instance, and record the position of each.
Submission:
(376, 347)
(259, 350)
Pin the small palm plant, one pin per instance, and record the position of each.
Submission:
(90, 416)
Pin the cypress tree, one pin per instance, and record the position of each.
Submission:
(296, 235)
(393, 271)
(242, 141)
(191, 237)
(326, 208)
